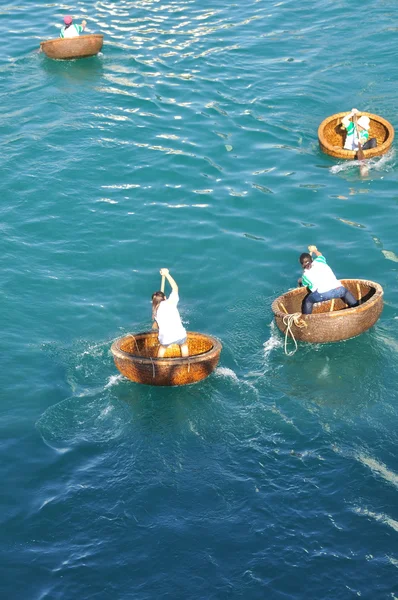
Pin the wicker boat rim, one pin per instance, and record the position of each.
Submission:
(325, 142)
(83, 37)
(145, 360)
(336, 313)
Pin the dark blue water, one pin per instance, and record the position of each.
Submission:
(190, 142)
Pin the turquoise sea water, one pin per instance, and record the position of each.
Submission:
(190, 142)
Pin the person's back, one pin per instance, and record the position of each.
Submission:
(169, 321)
(321, 277)
(322, 283)
(70, 30)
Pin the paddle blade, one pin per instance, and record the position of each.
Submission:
(360, 154)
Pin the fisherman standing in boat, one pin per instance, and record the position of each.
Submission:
(319, 278)
(358, 132)
(167, 320)
(70, 30)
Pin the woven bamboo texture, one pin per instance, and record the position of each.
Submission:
(332, 321)
(77, 47)
(331, 136)
(136, 358)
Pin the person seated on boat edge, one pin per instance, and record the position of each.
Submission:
(70, 30)
(319, 278)
(360, 133)
(167, 320)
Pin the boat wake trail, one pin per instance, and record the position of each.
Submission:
(262, 359)
(90, 413)
(381, 164)
(227, 373)
(86, 418)
(275, 341)
(379, 469)
(230, 375)
(380, 517)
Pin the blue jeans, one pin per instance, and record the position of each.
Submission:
(372, 143)
(339, 292)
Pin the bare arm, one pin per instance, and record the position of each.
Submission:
(84, 23)
(170, 279)
(346, 120)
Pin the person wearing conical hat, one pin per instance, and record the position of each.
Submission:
(357, 133)
(70, 30)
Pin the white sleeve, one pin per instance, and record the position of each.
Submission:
(346, 121)
(173, 298)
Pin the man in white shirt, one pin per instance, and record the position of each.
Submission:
(70, 30)
(319, 278)
(167, 318)
(358, 132)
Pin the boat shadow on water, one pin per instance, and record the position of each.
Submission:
(347, 377)
(87, 70)
(105, 405)
(121, 410)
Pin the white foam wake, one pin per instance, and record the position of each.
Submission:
(379, 469)
(274, 341)
(380, 517)
(113, 380)
(378, 163)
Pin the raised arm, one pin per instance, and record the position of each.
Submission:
(346, 120)
(169, 278)
(314, 250)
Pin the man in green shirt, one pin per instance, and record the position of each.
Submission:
(319, 278)
(70, 30)
(360, 132)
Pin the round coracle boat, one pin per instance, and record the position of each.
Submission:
(136, 358)
(81, 46)
(333, 320)
(331, 136)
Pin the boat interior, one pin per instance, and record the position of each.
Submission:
(291, 302)
(146, 345)
(335, 133)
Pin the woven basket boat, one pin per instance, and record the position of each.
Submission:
(135, 357)
(331, 136)
(76, 47)
(331, 321)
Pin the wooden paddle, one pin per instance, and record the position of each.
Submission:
(363, 169)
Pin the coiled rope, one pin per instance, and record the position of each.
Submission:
(289, 321)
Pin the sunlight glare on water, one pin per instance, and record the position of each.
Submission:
(190, 142)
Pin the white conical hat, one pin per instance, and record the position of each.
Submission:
(364, 122)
